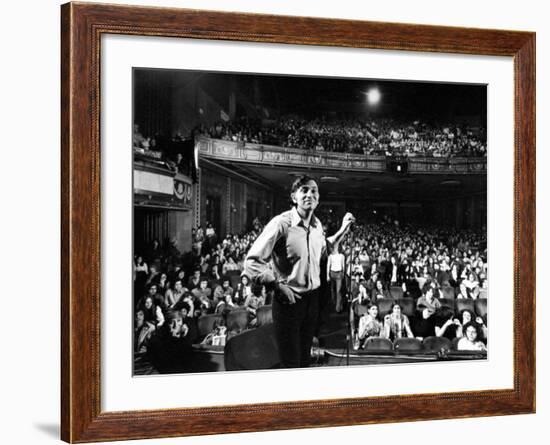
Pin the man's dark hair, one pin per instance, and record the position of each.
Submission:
(300, 181)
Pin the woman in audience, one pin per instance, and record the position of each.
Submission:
(396, 324)
(369, 325)
(463, 292)
(447, 324)
(152, 312)
(143, 330)
(162, 283)
(379, 291)
(470, 342)
(427, 306)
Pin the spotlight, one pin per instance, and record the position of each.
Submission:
(373, 96)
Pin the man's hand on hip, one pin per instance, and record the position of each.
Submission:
(286, 294)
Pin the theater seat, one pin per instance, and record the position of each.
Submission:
(264, 315)
(448, 292)
(237, 320)
(407, 345)
(378, 344)
(436, 344)
(360, 309)
(481, 306)
(205, 323)
(384, 306)
(454, 344)
(254, 349)
(465, 303)
(396, 292)
(448, 303)
(408, 306)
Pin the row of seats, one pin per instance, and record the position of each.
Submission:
(408, 305)
(448, 292)
(235, 320)
(411, 345)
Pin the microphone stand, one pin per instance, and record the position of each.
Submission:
(349, 297)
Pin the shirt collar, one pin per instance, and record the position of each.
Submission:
(296, 220)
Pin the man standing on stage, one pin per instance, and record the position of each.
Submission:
(294, 241)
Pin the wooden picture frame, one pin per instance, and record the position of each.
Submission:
(82, 26)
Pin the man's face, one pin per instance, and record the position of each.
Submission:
(178, 286)
(175, 326)
(306, 197)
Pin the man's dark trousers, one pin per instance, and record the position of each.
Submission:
(294, 328)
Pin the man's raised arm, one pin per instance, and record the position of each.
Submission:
(335, 239)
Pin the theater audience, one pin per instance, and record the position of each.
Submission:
(379, 255)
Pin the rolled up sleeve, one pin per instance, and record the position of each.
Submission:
(259, 255)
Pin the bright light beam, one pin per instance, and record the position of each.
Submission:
(373, 96)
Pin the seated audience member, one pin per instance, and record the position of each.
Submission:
(229, 265)
(467, 316)
(179, 274)
(447, 325)
(223, 289)
(472, 284)
(427, 306)
(152, 312)
(203, 291)
(194, 280)
(369, 326)
(464, 292)
(173, 296)
(162, 283)
(454, 279)
(226, 304)
(189, 321)
(143, 330)
(251, 304)
(396, 324)
(158, 299)
(141, 271)
(379, 291)
(244, 290)
(214, 275)
(364, 260)
(470, 342)
(170, 350)
(361, 299)
(218, 336)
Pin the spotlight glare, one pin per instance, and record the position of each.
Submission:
(373, 96)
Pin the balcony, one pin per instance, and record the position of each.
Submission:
(292, 157)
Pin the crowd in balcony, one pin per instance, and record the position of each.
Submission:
(387, 137)
(429, 267)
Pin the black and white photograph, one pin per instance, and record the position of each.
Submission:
(306, 222)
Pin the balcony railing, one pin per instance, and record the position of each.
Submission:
(274, 155)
